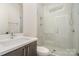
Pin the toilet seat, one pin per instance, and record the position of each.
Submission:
(42, 51)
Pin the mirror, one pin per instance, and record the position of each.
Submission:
(11, 18)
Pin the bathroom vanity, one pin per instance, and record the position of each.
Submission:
(27, 50)
(18, 46)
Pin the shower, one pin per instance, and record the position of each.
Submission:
(58, 26)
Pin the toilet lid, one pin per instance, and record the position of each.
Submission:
(42, 50)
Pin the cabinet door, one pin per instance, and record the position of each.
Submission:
(26, 51)
(17, 52)
(32, 49)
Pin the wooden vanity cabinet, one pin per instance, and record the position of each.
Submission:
(32, 49)
(27, 50)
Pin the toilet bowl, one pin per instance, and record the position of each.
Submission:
(42, 51)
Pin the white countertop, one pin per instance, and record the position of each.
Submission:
(13, 44)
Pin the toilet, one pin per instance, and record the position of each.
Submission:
(42, 51)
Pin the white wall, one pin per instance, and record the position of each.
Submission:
(3, 18)
(30, 19)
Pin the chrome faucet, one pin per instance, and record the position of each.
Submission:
(12, 35)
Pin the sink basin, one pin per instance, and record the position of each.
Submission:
(7, 37)
(6, 41)
(15, 41)
(3, 40)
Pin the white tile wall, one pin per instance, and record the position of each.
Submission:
(56, 28)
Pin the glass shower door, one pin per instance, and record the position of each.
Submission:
(56, 26)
